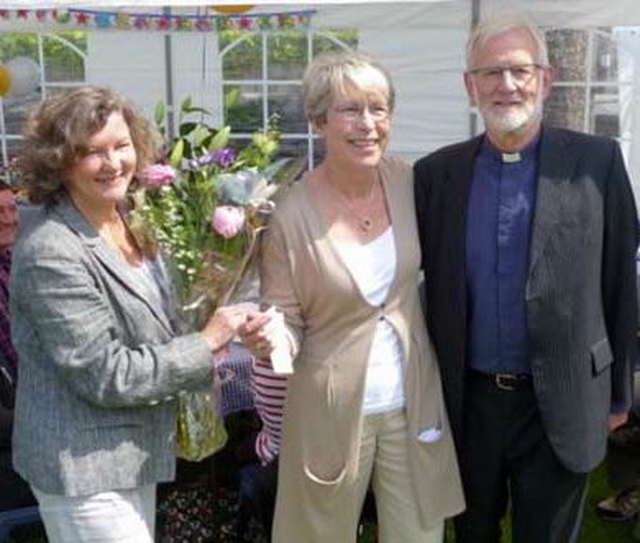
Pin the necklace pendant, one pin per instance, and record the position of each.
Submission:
(366, 224)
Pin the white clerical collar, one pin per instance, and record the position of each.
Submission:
(510, 158)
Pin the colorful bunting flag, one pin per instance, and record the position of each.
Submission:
(121, 20)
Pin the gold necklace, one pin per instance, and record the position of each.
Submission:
(364, 217)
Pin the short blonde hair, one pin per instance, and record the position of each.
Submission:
(56, 134)
(330, 74)
(495, 26)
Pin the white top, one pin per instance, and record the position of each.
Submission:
(149, 273)
(373, 267)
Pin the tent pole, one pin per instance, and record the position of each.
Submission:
(475, 17)
(168, 70)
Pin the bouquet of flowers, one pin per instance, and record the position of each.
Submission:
(206, 204)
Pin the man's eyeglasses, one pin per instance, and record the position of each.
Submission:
(355, 112)
(520, 73)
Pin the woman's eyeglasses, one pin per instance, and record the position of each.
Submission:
(355, 112)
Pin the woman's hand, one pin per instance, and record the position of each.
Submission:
(224, 323)
(257, 335)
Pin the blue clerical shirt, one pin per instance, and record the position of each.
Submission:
(500, 212)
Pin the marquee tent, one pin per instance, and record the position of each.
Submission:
(421, 42)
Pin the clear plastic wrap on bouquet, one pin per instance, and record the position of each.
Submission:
(201, 430)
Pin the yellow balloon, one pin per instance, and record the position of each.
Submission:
(232, 9)
(5, 80)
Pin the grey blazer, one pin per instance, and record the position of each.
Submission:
(100, 362)
(580, 293)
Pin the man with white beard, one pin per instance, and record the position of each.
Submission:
(528, 236)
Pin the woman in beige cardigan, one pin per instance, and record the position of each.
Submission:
(341, 262)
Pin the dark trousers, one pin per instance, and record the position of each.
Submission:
(14, 491)
(257, 495)
(505, 454)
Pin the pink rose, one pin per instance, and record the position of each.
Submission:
(159, 175)
(228, 220)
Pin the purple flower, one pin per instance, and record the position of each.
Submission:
(228, 221)
(159, 175)
(222, 157)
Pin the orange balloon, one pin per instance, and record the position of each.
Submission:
(5, 80)
(232, 9)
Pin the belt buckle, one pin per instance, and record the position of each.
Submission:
(505, 381)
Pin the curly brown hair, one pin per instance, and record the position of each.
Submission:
(56, 133)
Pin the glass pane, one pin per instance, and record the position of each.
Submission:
(243, 107)
(7, 173)
(293, 148)
(14, 44)
(319, 151)
(335, 40)
(605, 57)
(565, 108)
(285, 101)
(287, 55)
(244, 58)
(604, 117)
(19, 53)
(62, 62)
(626, 45)
(16, 109)
(568, 53)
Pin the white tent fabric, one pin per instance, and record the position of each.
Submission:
(36, 4)
(422, 43)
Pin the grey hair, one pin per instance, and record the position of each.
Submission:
(494, 26)
(329, 74)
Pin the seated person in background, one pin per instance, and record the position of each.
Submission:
(623, 457)
(259, 453)
(14, 491)
(623, 464)
(270, 392)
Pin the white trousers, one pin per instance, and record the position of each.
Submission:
(108, 517)
(384, 462)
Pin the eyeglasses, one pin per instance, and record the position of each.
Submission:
(355, 112)
(521, 74)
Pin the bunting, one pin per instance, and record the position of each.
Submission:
(124, 20)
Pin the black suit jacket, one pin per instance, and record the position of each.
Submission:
(580, 292)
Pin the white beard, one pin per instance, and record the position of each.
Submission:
(517, 119)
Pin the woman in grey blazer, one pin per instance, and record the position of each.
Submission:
(95, 324)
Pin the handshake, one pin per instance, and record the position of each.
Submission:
(262, 332)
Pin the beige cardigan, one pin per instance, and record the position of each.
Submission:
(303, 275)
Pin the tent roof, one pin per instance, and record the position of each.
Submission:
(562, 13)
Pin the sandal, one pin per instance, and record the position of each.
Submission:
(621, 507)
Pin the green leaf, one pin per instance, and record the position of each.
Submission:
(185, 107)
(200, 134)
(186, 128)
(159, 114)
(231, 98)
(196, 109)
(221, 139)
(177, 152)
